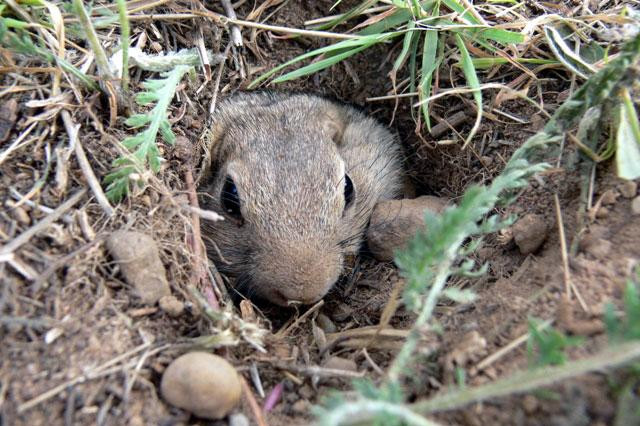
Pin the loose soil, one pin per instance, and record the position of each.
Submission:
(74, 335)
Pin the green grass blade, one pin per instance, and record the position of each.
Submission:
(404, 53)
(465, 14)
(484, 63)
(320, 65)
(501, 36)
(472, 80)
(628, 139)
(566, 55)
(340, 46)
(429, 65)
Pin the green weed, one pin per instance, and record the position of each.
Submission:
(132, 167)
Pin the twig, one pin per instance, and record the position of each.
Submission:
(87, 171)
(216, 86)
(314, 370)
(282, 333)
(236, 36)
(44, 223)
(568, 284)
(253, 404)
(199, 276)
(509, 347)
(97, 372)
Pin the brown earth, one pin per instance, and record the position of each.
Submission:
(78, 348)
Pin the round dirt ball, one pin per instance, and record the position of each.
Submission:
(203, 384)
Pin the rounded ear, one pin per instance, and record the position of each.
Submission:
(333, 125)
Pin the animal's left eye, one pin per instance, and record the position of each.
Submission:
(349, 192)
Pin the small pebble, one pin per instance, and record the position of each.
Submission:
(629, 189)
(609, 197)
(530, 404)
(139, 260)
(238, 419)
(530, 232)
(339, 363)
(395, 222)
(203, 384)
(300, 406)
(635, 205)
(171, 306)
(325, 323)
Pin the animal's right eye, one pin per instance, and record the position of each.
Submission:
(229, 198)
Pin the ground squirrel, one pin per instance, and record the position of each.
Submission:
(296, 177)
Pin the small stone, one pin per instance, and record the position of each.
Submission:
(301, 406)
(609, 197)
(395, 222)
(339, 363)
(183, 149)
(597, 247)
(486, 160)
(171, 305)
(203, 384)
(306, 392)
(21, 215)
(635, 205)
(139, 260)
(530, 232)
(238, 419)
(628, 189)
(325, 323)
(530, 404)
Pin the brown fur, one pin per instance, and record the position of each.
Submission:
(287, 155)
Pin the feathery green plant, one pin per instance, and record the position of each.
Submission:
(627, 327)
(431, 256)
(132, 167)
(546, 346)
(424, 28)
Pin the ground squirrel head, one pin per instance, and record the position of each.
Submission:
(293, 203)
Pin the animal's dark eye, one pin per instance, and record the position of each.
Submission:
(349, 193)
(229, 198)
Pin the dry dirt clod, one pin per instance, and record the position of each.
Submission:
(300, 406)
(628, 189)
(395, 222)
(609, 197)
(598, 247)
(339, 363)
(530, 232)
(171, 305)
(203, 384)
(139, 259)
(635, 205)
(8, 117)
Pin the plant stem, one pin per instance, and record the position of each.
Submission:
(529, 380)
(124, 42)
(92, 38)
